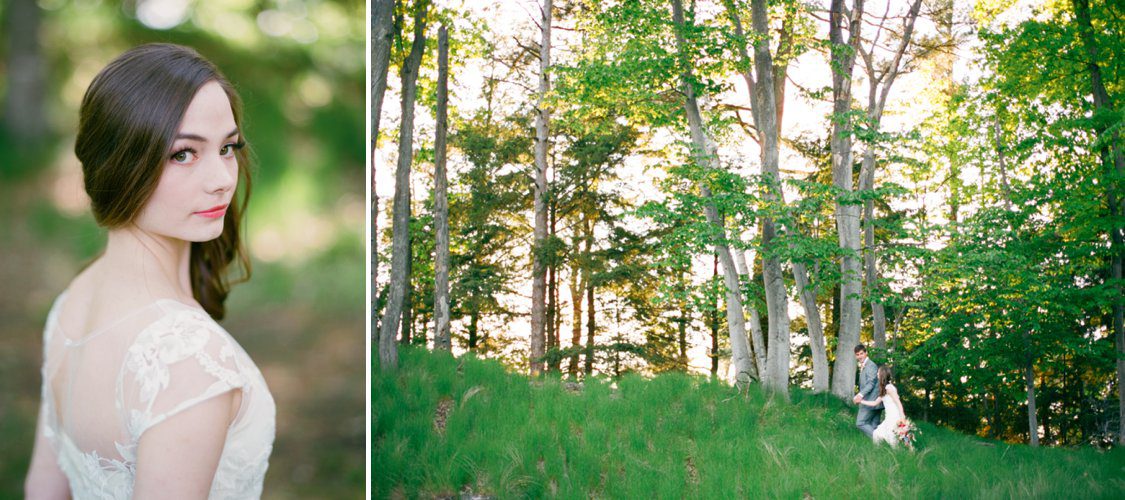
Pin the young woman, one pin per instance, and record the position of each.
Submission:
(888, 396)
(144, 394)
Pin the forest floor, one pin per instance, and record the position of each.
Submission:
(445, 426)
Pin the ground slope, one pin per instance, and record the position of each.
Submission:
(444, 426)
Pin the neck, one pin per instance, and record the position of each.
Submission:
(153, 265)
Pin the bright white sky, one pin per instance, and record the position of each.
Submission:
(908, 105)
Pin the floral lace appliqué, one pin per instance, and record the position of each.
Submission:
(156, 348)
(187, 357)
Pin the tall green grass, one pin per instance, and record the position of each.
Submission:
(676, 436)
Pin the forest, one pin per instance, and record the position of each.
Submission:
(747, 189)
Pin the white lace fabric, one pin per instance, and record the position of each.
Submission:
(102, 391)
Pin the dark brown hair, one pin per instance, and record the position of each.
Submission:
(884, 379)
(128, 121)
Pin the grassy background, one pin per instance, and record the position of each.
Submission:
(678, 436)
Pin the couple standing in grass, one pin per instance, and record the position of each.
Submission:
(877, 393)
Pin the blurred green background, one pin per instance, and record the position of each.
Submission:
(299, 67)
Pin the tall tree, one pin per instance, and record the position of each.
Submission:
(777, 302)
(843, 52)
(1025, 334)
(485, 220)
(400, 242)
(765, 76)
(539, 264)
(705, 155)
(1113, 157)
(441, 200)
(880, 76)
(381, 38)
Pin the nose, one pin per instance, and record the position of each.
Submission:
(221, 174)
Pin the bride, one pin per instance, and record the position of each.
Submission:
(144, 394)
(888, 396)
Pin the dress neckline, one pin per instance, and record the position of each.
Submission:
(96, 332)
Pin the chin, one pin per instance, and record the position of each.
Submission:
(205, 235)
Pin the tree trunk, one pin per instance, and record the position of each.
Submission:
(833, 328)
(1119, 329)
(767, 111)
(756, 341)
(777, 302)
(441, 201)
(408, 296)
(769, 138)
(24, 116)
(1046, 417)
(715, 325)
(807, 294)
(591, 326)
(552, 295)
(474, 318)
(556, 365)
(683, 321)
(576, 291)
(400, 242)
(705, 157)
(558, 319)
(1029, 381)
(871, 272)
(381, 37)
(549, 323)
(847, 212)
(1113, 157)
(617, 339)
(539, 269)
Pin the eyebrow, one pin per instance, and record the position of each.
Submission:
(199, 138)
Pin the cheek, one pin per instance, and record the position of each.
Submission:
(234, 171)
(170, 196)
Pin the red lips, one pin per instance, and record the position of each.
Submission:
(214, 212)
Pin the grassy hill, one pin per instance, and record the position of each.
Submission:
(444, 426)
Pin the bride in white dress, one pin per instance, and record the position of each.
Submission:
(144, 394)
(888, 396)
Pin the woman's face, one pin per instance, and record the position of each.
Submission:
(200, 172)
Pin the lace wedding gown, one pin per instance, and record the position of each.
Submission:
(102, 391)
(891, 415)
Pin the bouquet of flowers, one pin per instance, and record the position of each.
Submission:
(906, 432)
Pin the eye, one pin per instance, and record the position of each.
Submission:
(184, 156)
(228, 149)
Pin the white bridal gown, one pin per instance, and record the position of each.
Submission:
(891, 415)
(103, 390)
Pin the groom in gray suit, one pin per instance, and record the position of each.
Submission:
(868, 417)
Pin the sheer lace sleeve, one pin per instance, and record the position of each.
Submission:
(44, 477)
(179, 361)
